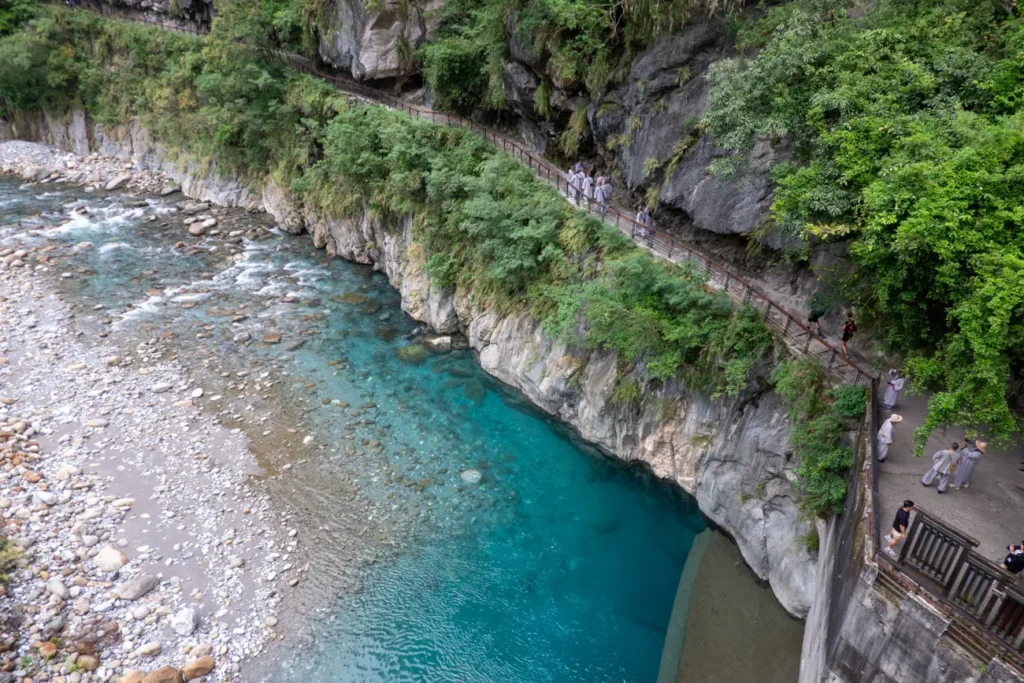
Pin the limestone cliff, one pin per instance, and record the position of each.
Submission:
(375, 41)
(732, 455)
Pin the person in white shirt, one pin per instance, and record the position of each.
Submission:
(603, 193)
(643, 217)
(588, 186)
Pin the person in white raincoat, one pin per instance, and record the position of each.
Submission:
(885, 436)
(588, 186)
(893, 387)
(574, 183)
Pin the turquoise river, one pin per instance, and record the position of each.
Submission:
(559, 564)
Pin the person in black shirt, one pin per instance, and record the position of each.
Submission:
(1014, 562)
(899, 526)
(849, 329)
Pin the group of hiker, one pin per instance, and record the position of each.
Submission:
(955, 464)
(814, 323)
(597, 189)
(597, 192)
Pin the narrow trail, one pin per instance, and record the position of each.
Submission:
(788, 327)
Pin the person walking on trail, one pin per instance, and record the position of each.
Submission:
(893, 387)
(899, 527)
(574, 184)
(944, 463)
(849, 329)
(885, 436)
(643, 219)
(969, 460)
(587, 186)
(818, 311)
(603, 194)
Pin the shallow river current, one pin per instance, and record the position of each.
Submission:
(557, 565)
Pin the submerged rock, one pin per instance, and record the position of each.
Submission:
(471, 476)
(353, 298)
(414, 354)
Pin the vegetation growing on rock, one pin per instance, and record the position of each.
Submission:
(817, 414)
(906, 122)
(483, 220)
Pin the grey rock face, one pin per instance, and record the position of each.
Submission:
(657, 110)
(370, 42)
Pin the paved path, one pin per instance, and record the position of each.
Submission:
(991, 509)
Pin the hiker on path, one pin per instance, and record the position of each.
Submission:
(970, 456)
(643, 217)
(574, 183)
(849, 329)
(893, 387)
(603, 194)
(818, 310)
(588, 186)
(944, 463)
(899, 526)
(885, 436)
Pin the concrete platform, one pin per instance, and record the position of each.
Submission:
(991, 509)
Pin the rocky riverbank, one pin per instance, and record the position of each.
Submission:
(141, 553)
(732, 456)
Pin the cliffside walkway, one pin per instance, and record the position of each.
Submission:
(788, 327)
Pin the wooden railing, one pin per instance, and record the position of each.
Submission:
(789, 328)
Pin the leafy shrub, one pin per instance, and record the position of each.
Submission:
(481, 218)
(452, 67)
(626, 392)
(905, 124)
(849, 400)
(817, 432)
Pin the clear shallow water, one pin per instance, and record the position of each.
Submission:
(559, 565)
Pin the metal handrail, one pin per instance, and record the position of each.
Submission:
(796, 334)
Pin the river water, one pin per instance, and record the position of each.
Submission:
(451, 532)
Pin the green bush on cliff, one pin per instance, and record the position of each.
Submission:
(817, 414)
(906, 120)
(581, 43)
(481, 218)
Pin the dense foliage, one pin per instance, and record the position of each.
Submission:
(817, 414)
(480, 217)
(14, 13)
(579, 43)
(906, 121)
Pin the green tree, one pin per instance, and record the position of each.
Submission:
(908, 144)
